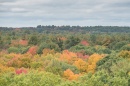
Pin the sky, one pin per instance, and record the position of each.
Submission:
(27, 13)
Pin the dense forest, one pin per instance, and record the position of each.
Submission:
(65, 56)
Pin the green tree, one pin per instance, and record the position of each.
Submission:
(33, 40)
(71, 41)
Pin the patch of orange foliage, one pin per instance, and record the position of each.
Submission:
(20, 60)
(70, 75)
(62, 38)
(4, 69)
(84, 42)
(82, 56)
(23, 42)
(48, 51)
(15, 42)
(19, 42)
(68, 56)
(32, 50)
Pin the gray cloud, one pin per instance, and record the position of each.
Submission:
(1, 1)
(64, 12)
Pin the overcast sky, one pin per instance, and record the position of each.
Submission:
(17, 13)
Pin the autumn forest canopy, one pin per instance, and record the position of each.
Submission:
(65, 56)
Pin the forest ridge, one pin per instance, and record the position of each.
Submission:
(65, 56)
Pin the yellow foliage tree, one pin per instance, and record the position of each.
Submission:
(5, 69)
(48, 51)
(124, 54)
(81, 65)
(93, 59)
(20, 60)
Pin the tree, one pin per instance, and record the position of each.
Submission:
(39, 26)
(33, 40)
(124, 54)
(71, 41)
(70, 75)
(92, 60)
(93, 38)
(13, 50)
(32, 50)
(81, 65)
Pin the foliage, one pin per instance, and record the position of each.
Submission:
(65, 56)
(70, 75)
(23, 42)
(33, 40)
(57, 67)
(93, 59)
(5, 69)
(107, 62)
(119, 45)
(48, 46)
(19, 61)
(20, 71)
(125, 47)
(81, 65)
(32, 50)
(71, 41)
(19, 49)
(13, 50)
(30, 79)
(124, 54)
(68, 56)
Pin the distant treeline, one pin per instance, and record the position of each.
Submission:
(84, 29)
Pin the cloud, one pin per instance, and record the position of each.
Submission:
(2, 1)
(64, 12)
